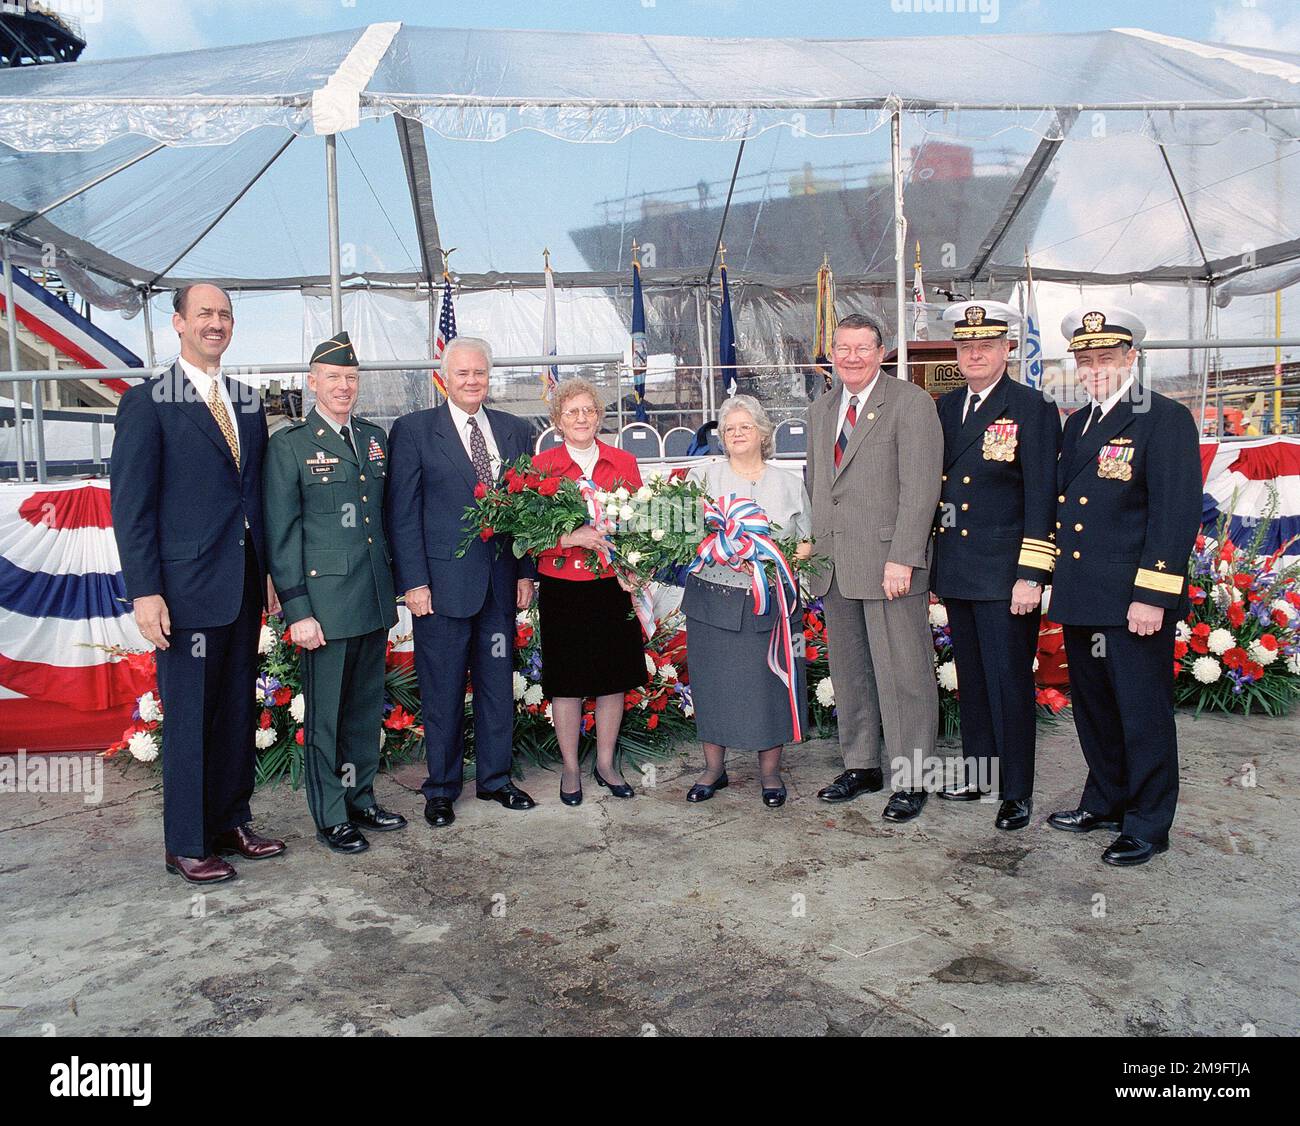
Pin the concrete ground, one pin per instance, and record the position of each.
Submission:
(656, 917)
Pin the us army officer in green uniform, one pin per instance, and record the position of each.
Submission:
(324, 504)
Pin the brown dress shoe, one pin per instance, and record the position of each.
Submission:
(209, 870)
(248, 844)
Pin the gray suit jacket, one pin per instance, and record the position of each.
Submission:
(879, 506)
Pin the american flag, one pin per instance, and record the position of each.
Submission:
(446, 330)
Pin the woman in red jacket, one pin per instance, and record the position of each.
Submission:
(591, 640)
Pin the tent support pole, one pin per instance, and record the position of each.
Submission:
(332, 190)
(709, 404)
(149, 356)
(11, 325)
(900, 236)
(704, 358)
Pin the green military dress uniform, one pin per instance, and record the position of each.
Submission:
(324, 503)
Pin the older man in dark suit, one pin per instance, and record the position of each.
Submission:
(463, 607)
(187, 516)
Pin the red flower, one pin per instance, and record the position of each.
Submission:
(808, 635)
(480, 491)
(1178, 669)
(652, 721)
(658, 703)
(283, 696)
(523, 635)
(1242, 582)
(1235, 658)
(399, 719)
(1052, 698)
(298, 737)
(589, 721)
(264, 720)
(813, 653)
(1196, 594)
(1201, 629)
(1293, 598)
(1254, 670)
(533, 480)
(1200, 543)
(1226, 551)
(487, 533)
(1180, 649)
(514, 483)
(549, 486)
(1236, 615)
(1268, 641)
(1280, 619)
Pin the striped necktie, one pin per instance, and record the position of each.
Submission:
(222, 418)
(850, 420)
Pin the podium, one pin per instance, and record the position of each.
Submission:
(932, 364)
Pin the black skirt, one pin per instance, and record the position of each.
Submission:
(592, 643)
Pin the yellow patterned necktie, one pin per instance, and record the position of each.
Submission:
(222, 418)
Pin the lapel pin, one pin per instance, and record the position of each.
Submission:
(870, 415)
(320, 432)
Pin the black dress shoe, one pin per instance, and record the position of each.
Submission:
(438, 812)
(619, 790)
(574, 798)
(702, 791)
(1126, 850)
(852, 783)
(510, 796)
(1015, 813)
(345, 838)
(379, 819)
(774, 797)
(903, 805)
(1081, 821)
(968, 792)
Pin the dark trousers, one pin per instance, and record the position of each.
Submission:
(343, 689)
(206, 681)
(445, 649)
(1122, 692)
(994, 651)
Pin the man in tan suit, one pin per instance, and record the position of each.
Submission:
(875, 456)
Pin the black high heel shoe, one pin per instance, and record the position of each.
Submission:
(619, 790)
(703, 791)
(774, 798)
(574, 798)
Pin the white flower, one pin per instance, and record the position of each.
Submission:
(668, 672)
(633, 558)
(266, 640)
(265, 737)
(533, 694)
(1035, 669)
(143, 747)
(520, 685)
(549, 716)
(1220, 641)
(938, 614)
(621, 493)
(688, 710)
(1259, 653)
(826, 693)
(650, 665)
(644, 493)
(298, 708)
(1293, 664)
(626, 512)
(1182, 631)
(658, 473)
(658, 534)
(1206, 670)
(1283, 605)
(947, 674)
(150, 709)
(602, 497)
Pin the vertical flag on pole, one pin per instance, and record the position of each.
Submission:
(727, 335)
(446, 328)
(550, 375)
(824, 322)
(640, 347)
(920, 329)
(1031, 360)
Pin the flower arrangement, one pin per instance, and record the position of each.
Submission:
(1239, 647)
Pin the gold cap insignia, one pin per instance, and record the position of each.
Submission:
(975, 315)
(1092, 322)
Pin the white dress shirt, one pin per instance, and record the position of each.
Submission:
(202, 382)
(337, 427)
(461, 421)
(984, 397)
(861, 397)
(1109, 404)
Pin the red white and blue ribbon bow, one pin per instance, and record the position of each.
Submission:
(642, 603)
(739, 537)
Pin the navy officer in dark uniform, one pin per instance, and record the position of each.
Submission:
(994, 552)
(1128, 510)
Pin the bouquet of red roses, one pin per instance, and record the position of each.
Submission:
(534, 509)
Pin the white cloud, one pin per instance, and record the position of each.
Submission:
(1253, 25)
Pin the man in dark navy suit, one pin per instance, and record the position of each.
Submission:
(462, 608)
(1129, 508)
(993, 552)
(187, 516)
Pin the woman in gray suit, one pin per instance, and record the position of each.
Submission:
(739, 702)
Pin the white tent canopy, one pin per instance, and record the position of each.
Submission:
(1111, 156)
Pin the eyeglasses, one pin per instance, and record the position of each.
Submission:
(580, 412)
(743, 428)
(863, 351)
